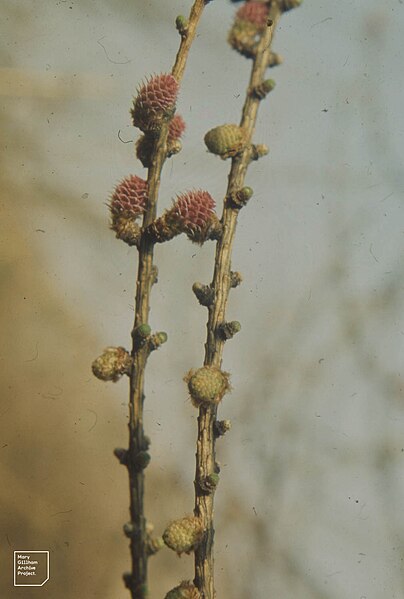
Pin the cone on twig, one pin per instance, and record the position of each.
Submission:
(145, 146)
(226, 140)
(255, 13)
(113, 363)
(182, 536)
(155, 102)
(128, 202)
(192, 213)
(248, 27)
(207, 385)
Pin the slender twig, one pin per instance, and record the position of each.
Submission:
(221, 284)
(145, 278)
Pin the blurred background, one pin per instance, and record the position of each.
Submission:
(311, 491)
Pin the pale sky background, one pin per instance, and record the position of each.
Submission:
(316, 449)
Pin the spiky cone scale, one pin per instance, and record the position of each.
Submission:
(130, 197)
(186, 590)
(128, 202)
(184, 535)
(226, 140)
(192, 213)
(176, 128)
(113, 363)
(207, 385)
(155, 102)
(254, 12)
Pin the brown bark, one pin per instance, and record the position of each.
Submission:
(221, 284)
(144, 282)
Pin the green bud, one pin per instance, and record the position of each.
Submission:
(181, 24)
(226, 140)
(263, 89)
(240, 197)
(158, 339)
(212, 480)
(269, 85)
(143, 331)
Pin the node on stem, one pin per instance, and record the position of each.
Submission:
(226, 140)
(113, 363)
(207, 385)
(182, 536)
